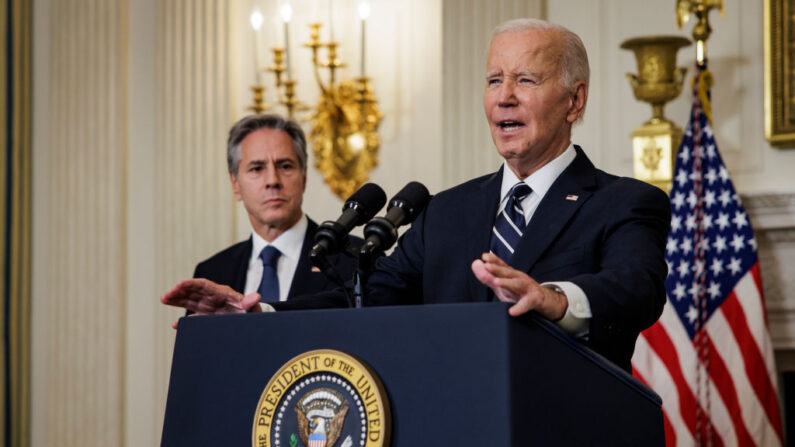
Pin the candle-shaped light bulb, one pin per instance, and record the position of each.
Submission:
(287, 13)
(256, 24)
(331, 19)
(256, 19)
(364, 12)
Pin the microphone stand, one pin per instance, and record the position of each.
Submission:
(319, 260)
(366, 263)
(360, 278)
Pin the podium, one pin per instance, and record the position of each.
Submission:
(454, 375)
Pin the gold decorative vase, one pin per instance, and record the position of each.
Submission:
(658, 81)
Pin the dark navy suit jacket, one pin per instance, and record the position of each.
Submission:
(605, 233)
(229, 267)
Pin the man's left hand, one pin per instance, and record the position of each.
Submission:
(513, 286)
(205, 297)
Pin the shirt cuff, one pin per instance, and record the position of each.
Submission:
(267, 307)
(576, 321)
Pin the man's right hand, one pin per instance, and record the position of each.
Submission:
(205, 297)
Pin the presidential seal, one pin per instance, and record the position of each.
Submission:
(322, 398)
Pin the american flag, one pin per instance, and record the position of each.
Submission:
(709, 356)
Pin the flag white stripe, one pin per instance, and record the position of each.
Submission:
(719, 416)
(681, 341)
(651, 367)
(725, 342)
(751, 301)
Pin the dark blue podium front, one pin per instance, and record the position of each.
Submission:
(455, 375)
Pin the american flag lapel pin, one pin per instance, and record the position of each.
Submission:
(572, 197)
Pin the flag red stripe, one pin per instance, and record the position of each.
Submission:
(728, 393)
(755, 366)
(661, 343)
(670, 434)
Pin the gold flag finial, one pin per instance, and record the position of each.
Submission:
(702, 30)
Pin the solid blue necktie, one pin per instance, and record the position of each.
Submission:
(269, 286)
(509, 225)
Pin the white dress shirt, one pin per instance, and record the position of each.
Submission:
(578, 314)
(289, 244)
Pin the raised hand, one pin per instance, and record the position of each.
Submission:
(514, 286)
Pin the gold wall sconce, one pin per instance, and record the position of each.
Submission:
(344, 134)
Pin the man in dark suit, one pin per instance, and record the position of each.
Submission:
(266, 157)
(548, 232)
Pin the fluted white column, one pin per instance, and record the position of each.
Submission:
(193, 204)
(79, 250)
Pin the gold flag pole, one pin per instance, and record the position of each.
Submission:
(701, 31)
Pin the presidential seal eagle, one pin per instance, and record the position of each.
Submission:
(321, 415)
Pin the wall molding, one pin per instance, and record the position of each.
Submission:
(772, 215)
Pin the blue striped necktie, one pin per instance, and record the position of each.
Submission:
(509, 225)
(269, 286)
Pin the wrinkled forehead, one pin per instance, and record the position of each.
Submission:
(267, 143)
(535, 46)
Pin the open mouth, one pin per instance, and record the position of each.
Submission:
(509, 125)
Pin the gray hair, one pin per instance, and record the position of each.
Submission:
(574, 60)
(251, 123)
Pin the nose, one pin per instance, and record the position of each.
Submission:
(507, 96)
(272, 179)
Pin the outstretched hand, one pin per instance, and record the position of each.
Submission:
(205, 297)
(514, 286)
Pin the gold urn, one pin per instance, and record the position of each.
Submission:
(658, 81)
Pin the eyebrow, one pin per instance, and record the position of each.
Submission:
(277, 161)
(521, 73)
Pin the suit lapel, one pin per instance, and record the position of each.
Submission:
(238, 280)
(566, 195)
(479, 225)
(304, 280)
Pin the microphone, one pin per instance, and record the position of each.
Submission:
(331, 236)
(381, 232)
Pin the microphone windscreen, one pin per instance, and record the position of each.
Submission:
(370, 198)
(416, 196)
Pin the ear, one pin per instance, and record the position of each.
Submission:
(577, 101)
(235, 187)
